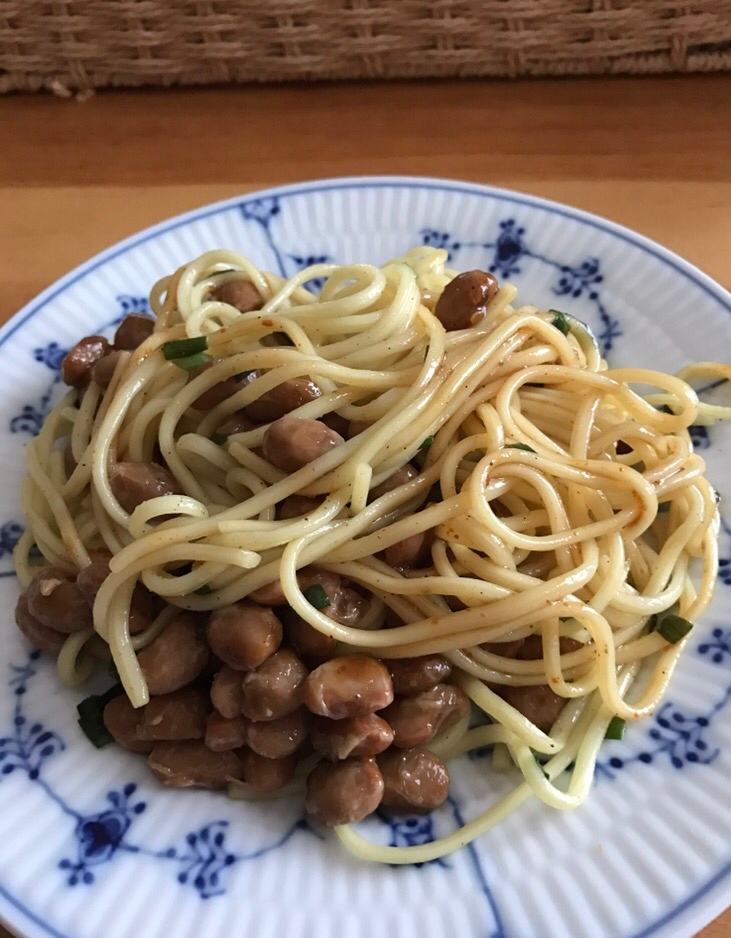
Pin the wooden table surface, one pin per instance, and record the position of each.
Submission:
(653, 154)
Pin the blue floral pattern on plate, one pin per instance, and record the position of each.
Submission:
(510, 249)
(202, 861)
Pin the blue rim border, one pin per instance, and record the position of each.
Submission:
(700, 917)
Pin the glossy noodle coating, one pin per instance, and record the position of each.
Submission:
(332, 541)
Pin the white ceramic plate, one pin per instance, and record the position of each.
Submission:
(91, 846)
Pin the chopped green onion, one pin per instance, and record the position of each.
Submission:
(243, 375)
(316, 596)
(560, 321)
(191, 362)
(204, 590)
(616, 728)
(91, 716)
(539, 763)
(184, 348)
(35, 557)
(219, 438)
(673, 628)
(425, 444)
(522, 446)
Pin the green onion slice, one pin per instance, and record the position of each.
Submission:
(539, 763)
(184, 348)
(35, 557)
(91, 716)
(425, 444)
(316, 596)
(616, 728)
(219, 438)
(560, 321)
(522, 446)
(191, 362)
(673, 628)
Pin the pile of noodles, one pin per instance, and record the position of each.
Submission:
(563, 502)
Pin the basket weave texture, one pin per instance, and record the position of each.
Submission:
(82, 44)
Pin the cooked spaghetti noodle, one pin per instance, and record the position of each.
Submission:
(561, 502)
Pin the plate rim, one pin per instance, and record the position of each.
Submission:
(649, 246)
(688, 914)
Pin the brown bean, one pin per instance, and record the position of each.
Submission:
(337, 423)
(77, 363)
(411, 676)
(132, 331)
(355, 736)
(413, 779)
(244, 635)
(291, 443)
(236, 423)
(222, 390)
(306, 639)
(55, 600)
(531, 648)
(239, 293)
(266, 774)
(272, 593)
(102, 371)
(223, 734)
(418, 719)
(296, 506)
(400, 477)
(282, 399)
(175, 658)
(90, 578)
(411, 552)
(180, 715)
(190, 765)
(275, 739)
(345, 792)
(506, 649)
(123, 721)
(350, 686)
(537, 702)
(464, 300)
(135, 482)
(275, 687)
(346, 605)
(40, 636)
(393, 621)
(356, 427)
(141, 610)
(226, 692)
